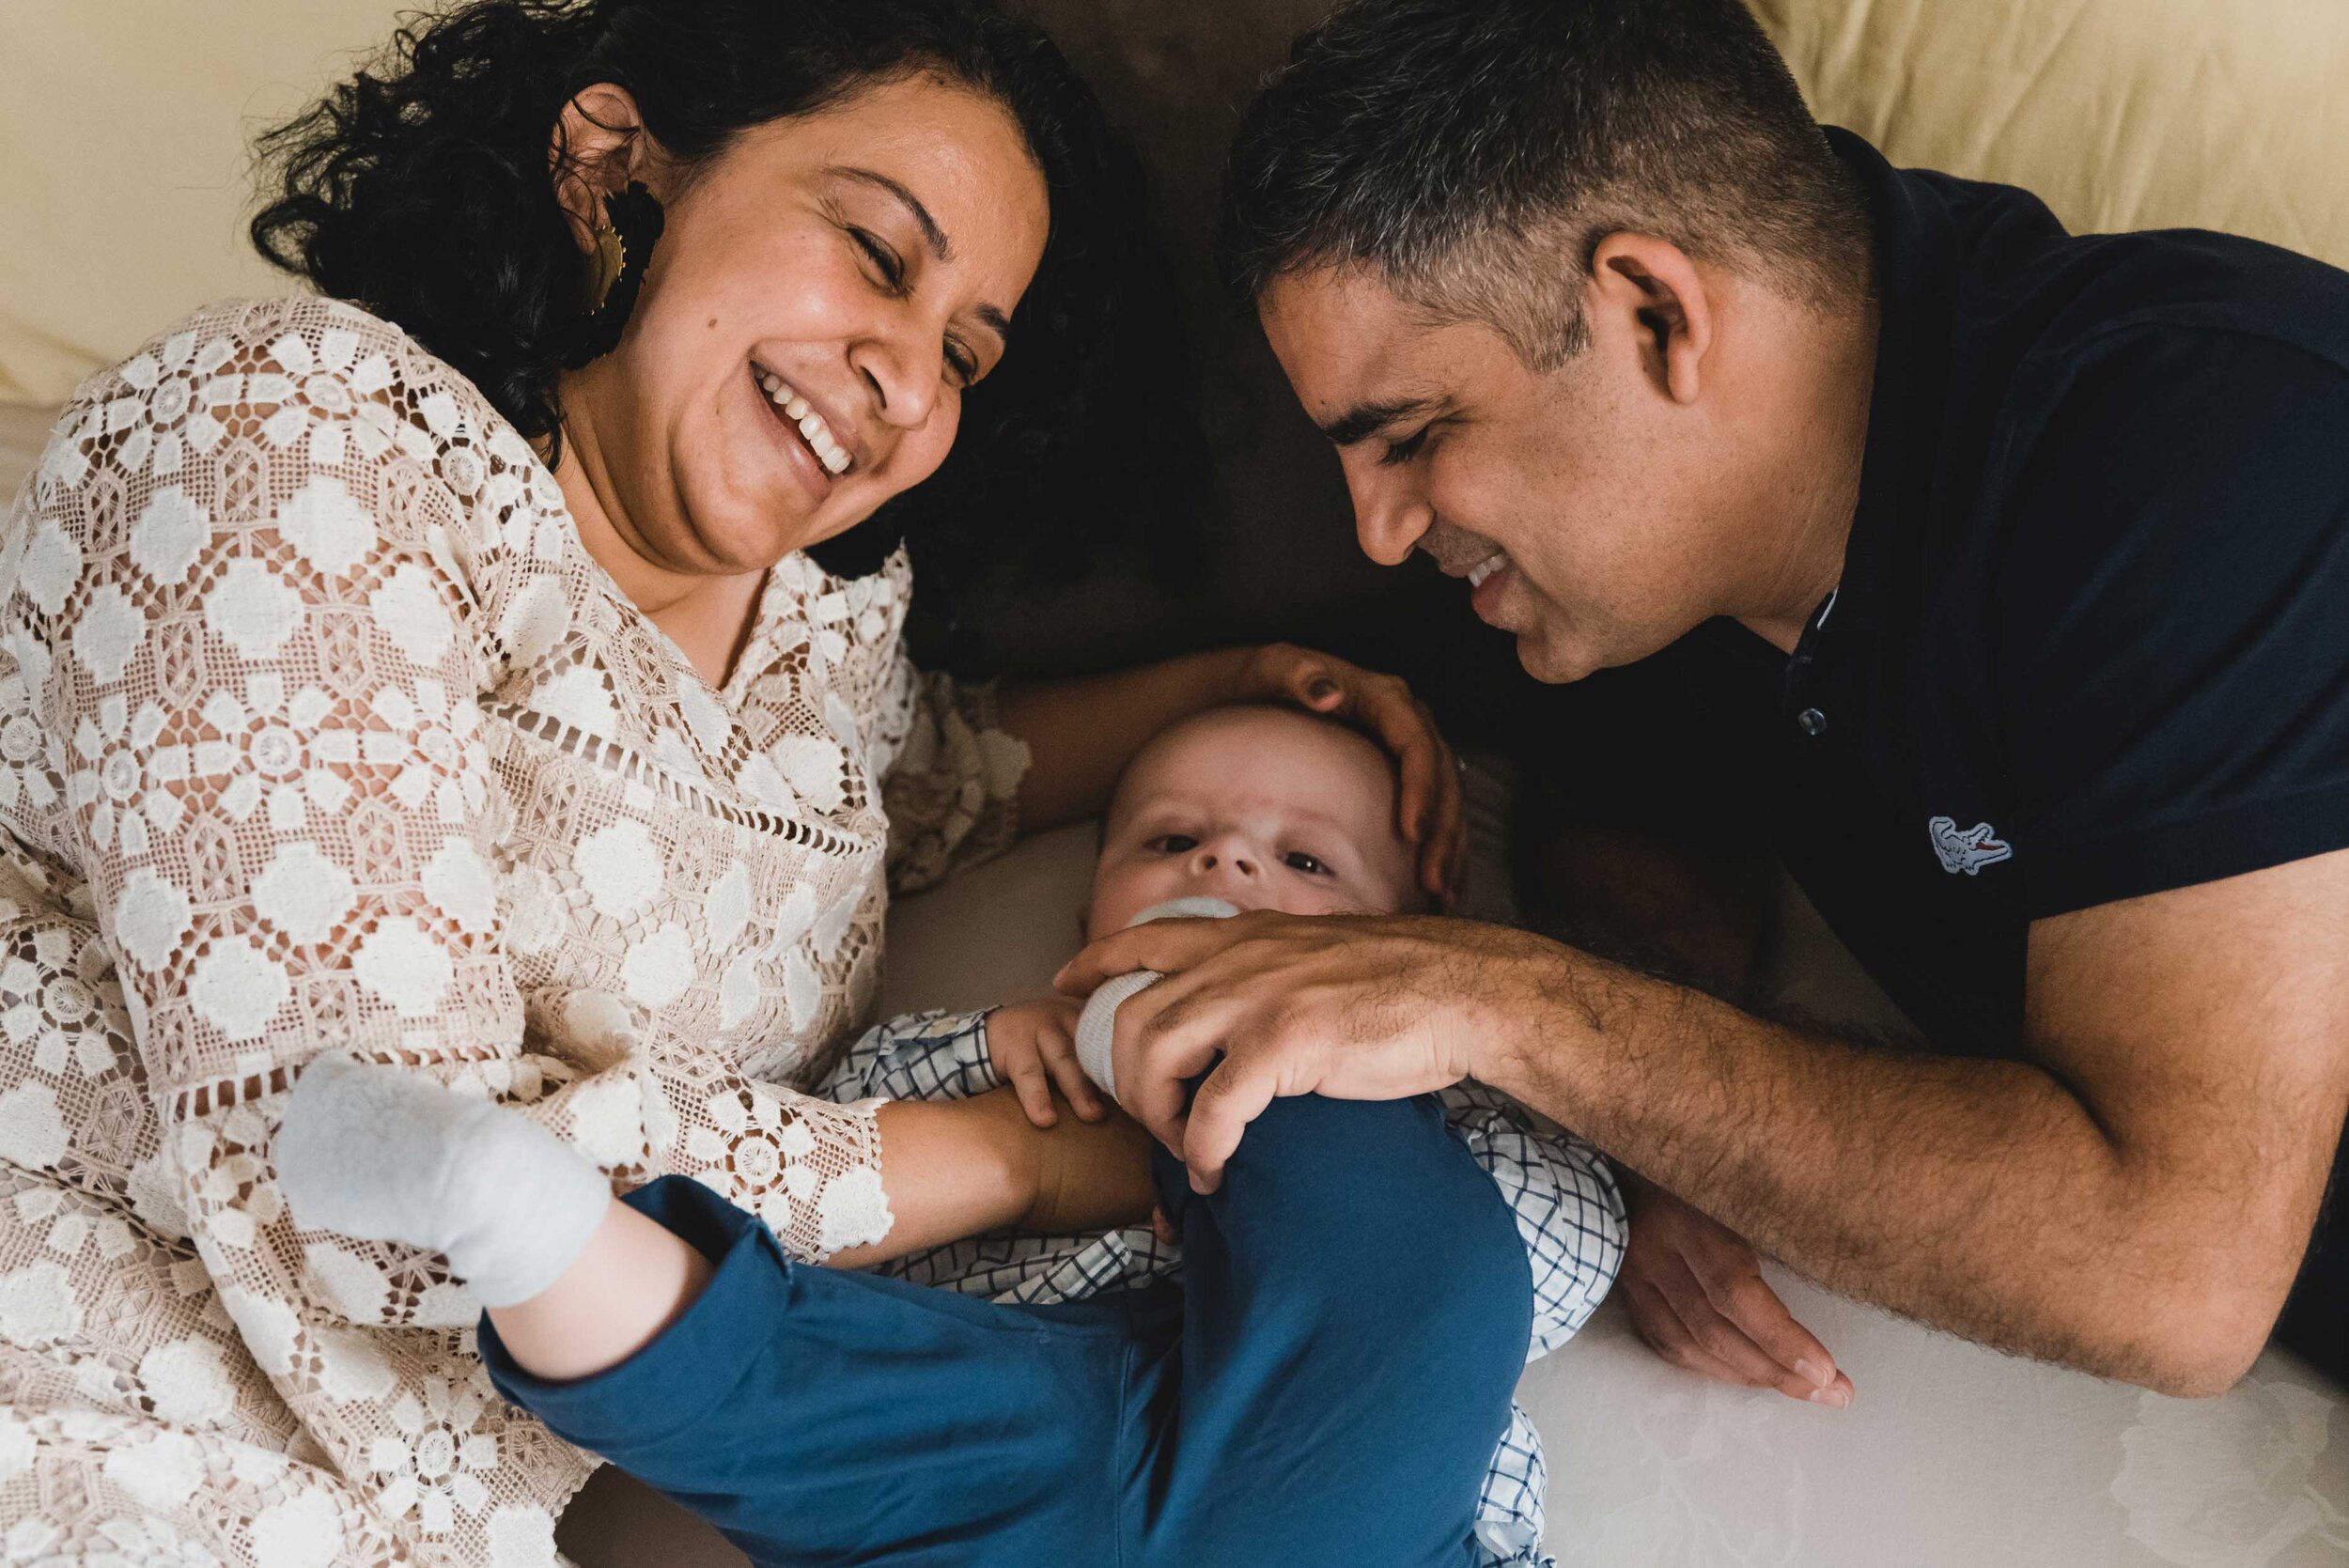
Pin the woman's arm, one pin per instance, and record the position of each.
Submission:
(1082, 733)
(965, 1168)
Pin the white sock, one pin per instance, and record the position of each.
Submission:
(1097, 1024)
(385, 1154)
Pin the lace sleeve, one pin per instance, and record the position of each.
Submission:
(952, 785)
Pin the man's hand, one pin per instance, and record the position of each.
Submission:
(1033, 1046)
(1697, 1298)
(1358, 1008)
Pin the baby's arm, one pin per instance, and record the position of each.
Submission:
(1028, 1046)
(921, 1056)
(1568, 1210)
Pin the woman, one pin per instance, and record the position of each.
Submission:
(440, 677)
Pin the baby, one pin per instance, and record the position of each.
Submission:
(1332, 1357)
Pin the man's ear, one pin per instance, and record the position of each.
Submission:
(1651, 288)
(598, 147)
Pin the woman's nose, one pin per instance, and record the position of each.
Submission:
(901, 377)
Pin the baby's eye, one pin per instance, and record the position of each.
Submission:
(1297, 860)
(1173, 843)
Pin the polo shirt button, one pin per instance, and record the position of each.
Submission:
(1810, 721)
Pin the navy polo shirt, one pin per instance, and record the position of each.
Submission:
(2092, 637)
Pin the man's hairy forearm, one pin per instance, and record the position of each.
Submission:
(1980, 1196)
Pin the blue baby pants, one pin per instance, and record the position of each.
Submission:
(1323, 1387)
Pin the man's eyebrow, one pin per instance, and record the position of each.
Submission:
(990, 315)
(1361, 421)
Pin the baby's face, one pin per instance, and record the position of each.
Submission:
(1268, 808)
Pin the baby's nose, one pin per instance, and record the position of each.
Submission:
(1212, 858)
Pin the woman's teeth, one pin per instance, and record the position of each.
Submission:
(812, 426)
(1478, 573)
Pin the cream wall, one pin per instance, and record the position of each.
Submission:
(124, 162)
(124, 124)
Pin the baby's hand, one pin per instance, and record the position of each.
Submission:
(1033, 1045)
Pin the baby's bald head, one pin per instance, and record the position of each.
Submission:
(1271, 808)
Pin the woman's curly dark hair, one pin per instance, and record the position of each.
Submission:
(420, 189)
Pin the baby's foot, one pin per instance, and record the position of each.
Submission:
(385, 1154)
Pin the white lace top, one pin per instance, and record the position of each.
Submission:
(319, 729)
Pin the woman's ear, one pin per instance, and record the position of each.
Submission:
(598, 147)
(1649, 286)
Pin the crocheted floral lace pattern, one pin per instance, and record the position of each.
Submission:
(320, 730)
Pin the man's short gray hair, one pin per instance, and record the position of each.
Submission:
(1473, 154)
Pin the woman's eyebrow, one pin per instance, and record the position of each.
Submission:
(935, 237)
(940, 245)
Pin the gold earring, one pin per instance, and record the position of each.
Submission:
(611, 261)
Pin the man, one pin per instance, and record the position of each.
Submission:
(2015, 567)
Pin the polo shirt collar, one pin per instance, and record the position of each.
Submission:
(1917, 256)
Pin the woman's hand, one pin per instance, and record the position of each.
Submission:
(1081, 1176)
(977, 1167)
(1034, 1046)
(1428, 804)
(1082, 733)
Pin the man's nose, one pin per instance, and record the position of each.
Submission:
(1389, 518)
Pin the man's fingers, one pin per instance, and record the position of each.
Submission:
(1164, 1038)
(1660, 1329)
(1034, 1090)
(1232, 1096)
(1747, 1300)
(1721, 1337)
(1168, 946)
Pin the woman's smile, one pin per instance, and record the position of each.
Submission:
(800, 455)
(803, 414)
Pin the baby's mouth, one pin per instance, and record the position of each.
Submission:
(797, 413)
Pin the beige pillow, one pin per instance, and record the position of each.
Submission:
(2122, 114)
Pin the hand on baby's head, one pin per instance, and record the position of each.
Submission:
(1268, 808)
